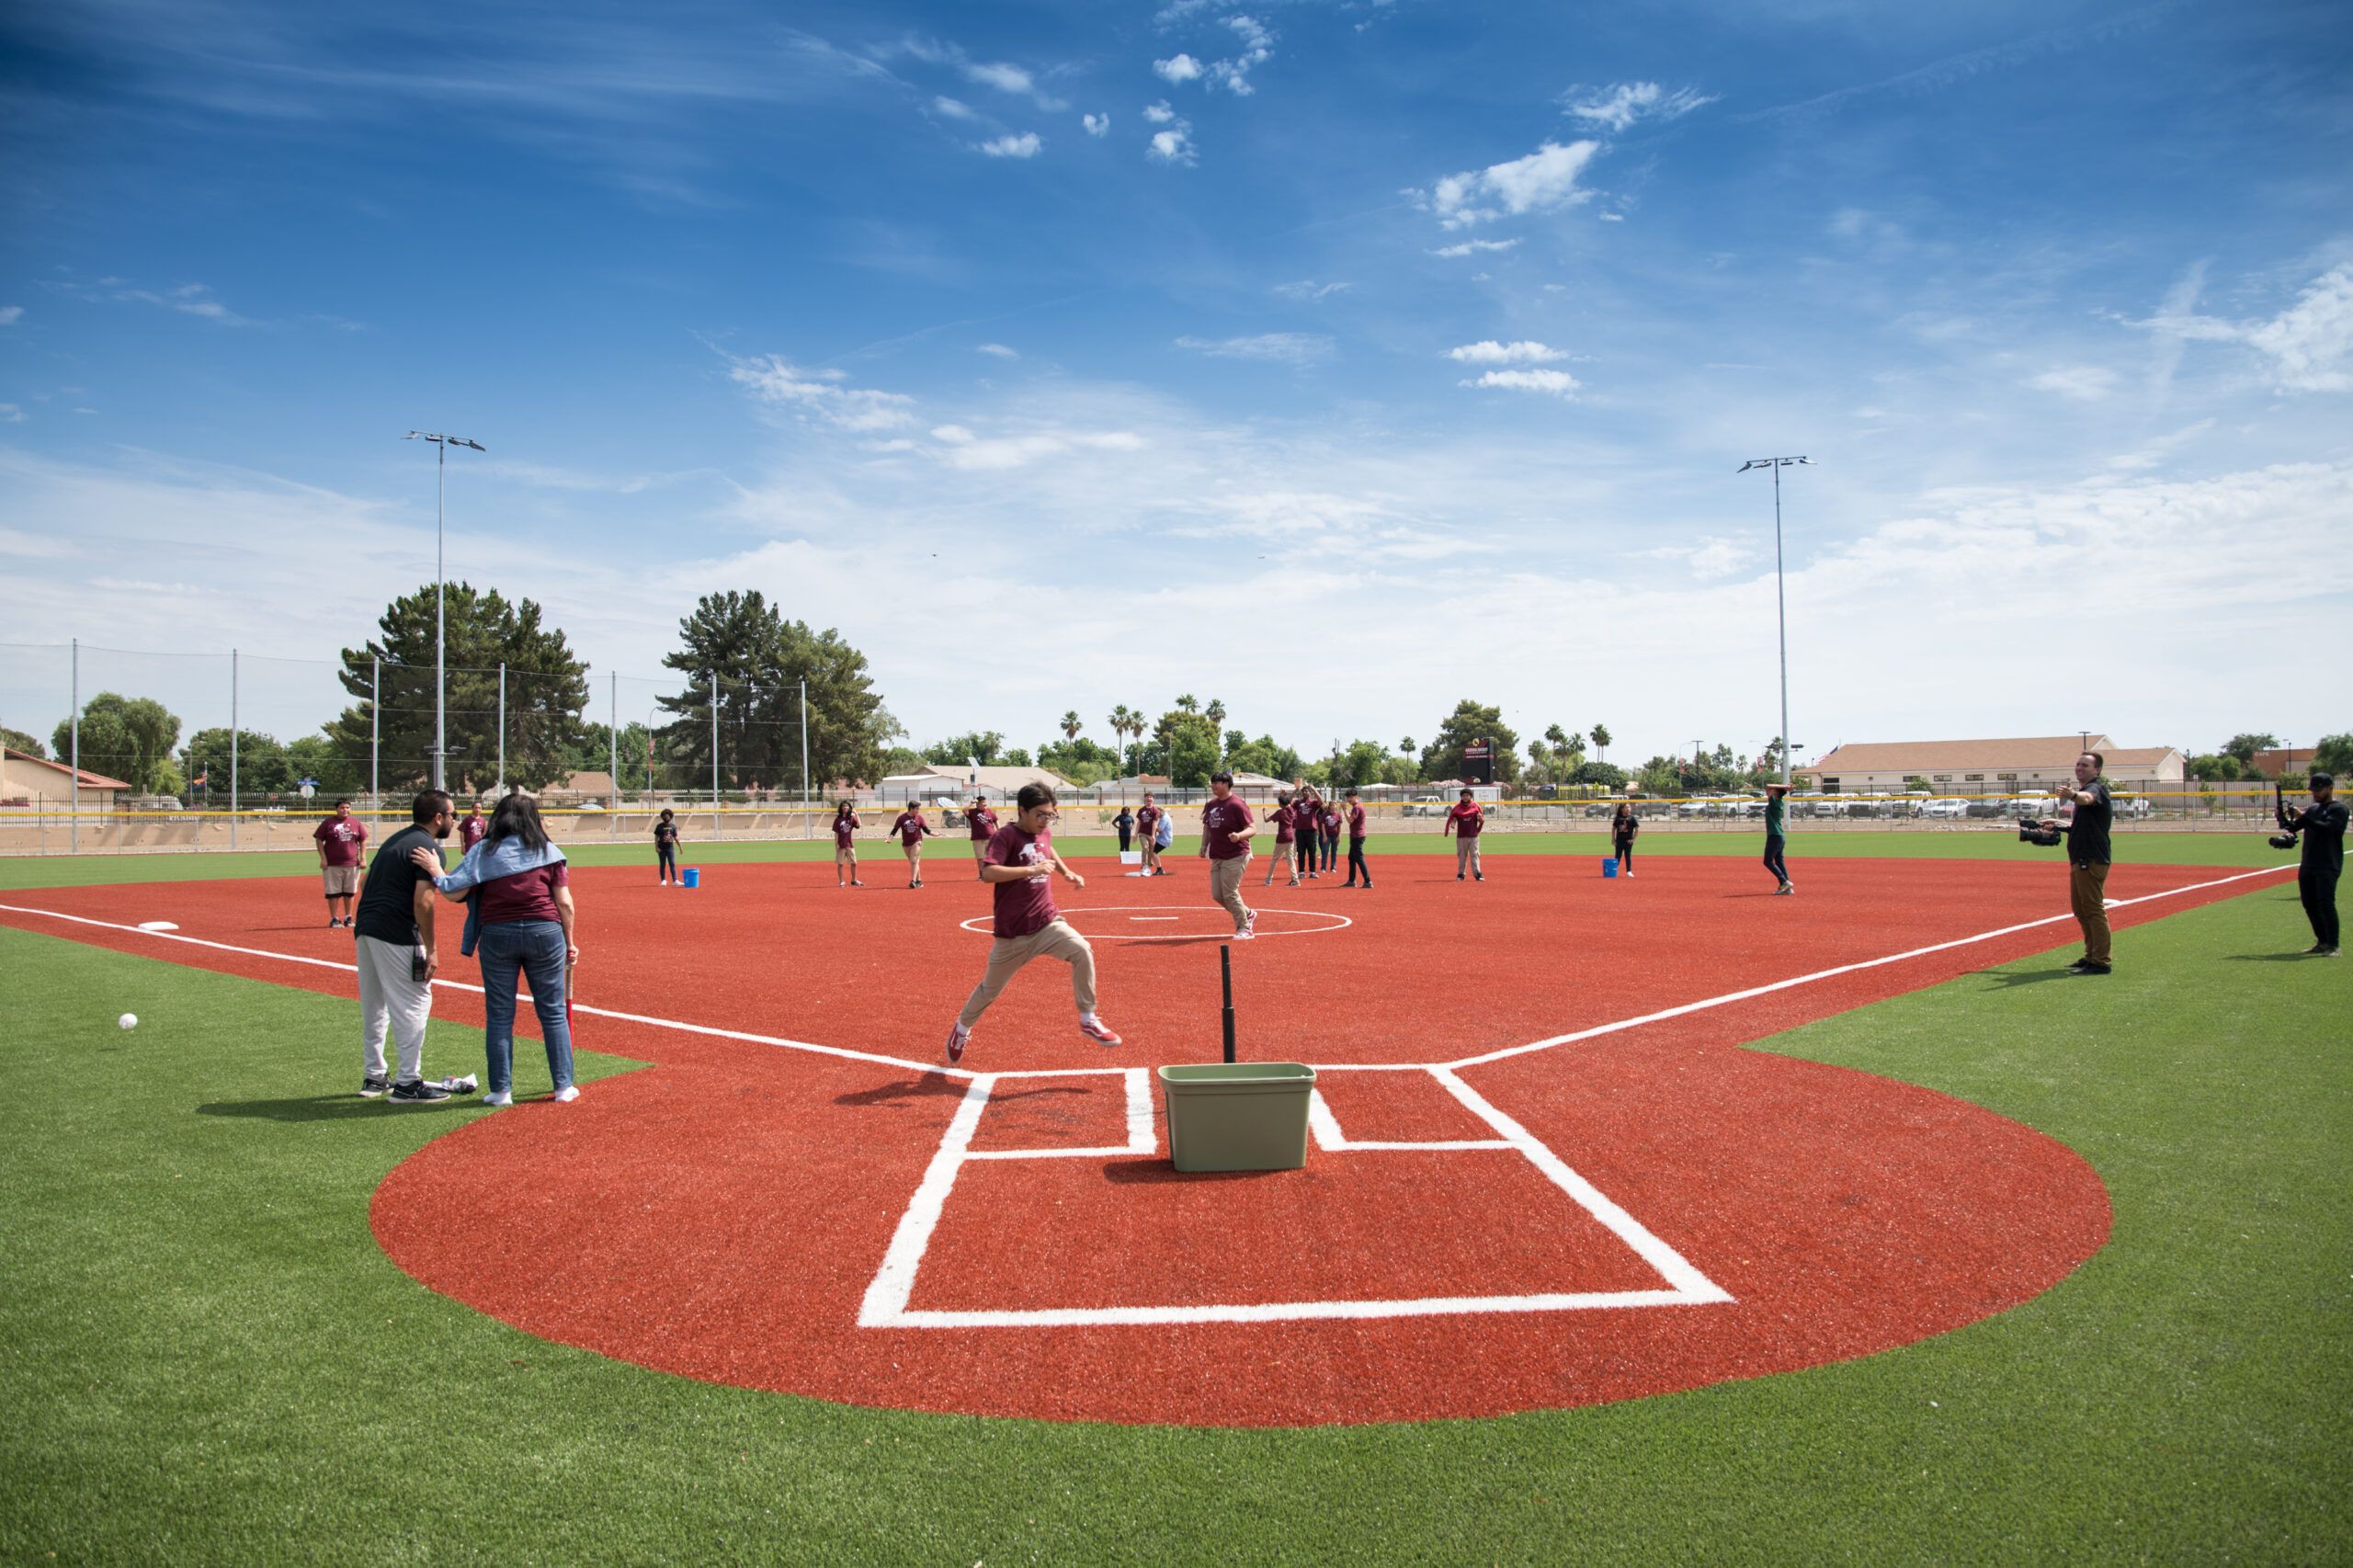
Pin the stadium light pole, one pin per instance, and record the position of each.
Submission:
(440, 616)
(1780, 595)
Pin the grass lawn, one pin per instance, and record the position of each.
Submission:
(209, 1359)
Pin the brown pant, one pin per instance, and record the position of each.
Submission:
(1226, 886)
(2087, 891)
(1007, 954)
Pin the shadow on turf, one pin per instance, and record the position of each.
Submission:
(319, 1107)
(2010, 979)
(2270, 958)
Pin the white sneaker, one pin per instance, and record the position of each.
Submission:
(500, 1096)
(567, 1094)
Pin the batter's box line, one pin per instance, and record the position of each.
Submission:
(885, 1303)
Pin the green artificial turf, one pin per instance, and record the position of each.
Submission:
(2136, 848)
(209, 1361)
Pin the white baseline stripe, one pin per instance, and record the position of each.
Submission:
(1733, 997)
(1328, 1136)
(1283, 1312)
(886, 1297)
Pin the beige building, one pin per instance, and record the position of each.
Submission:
(33, 783)
(1987, 767)
(996, 785)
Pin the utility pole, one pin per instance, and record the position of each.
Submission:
(232, 748)
(73, 819)
(1780, 595)
(714, 754)
(375, 730)
(613, 759)
(441, 613)
(502, 729)
(805, 741)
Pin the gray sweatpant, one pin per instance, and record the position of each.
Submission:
(387, 997)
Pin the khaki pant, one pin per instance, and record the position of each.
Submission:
(1466, 855)
(1007, 954)
(387, 997)
(1226, 886)
(2087, 891)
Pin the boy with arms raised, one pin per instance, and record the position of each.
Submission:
(912, 830)
(1021, 860)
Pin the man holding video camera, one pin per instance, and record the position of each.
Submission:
(2087, 859)
(2322, 827)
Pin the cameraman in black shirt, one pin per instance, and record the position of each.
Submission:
(2322, 827)
(2087, 860)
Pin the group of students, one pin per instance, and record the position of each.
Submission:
(912, 827)
(1306, 823)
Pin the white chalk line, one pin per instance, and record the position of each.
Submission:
(979, 923)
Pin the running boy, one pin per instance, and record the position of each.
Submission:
(1021, 862)
(1286, 820)
(846, 826)
(666, 847)
(912, 831)
(1355, 843)
(1777, 835)
(982, 822)
(1465, 822)
(1226, 827)
(340, 839)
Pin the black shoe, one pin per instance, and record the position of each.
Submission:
(1478, 875)
(1458, 876)
(419, 1093)
(372, 1088)
(2090, 967)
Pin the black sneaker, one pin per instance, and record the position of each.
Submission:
(2090, 969)
(372, 1088)
(419, 1093)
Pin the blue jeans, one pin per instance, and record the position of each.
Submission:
(525, 947)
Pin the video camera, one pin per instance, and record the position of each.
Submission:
(2283, 841)
(2031, 831)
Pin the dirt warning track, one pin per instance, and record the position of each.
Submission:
(1543, 1171)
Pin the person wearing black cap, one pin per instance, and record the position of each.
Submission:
(2087, 860)
(2322, 827)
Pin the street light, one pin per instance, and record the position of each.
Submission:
(440, 618)
(1780, 595)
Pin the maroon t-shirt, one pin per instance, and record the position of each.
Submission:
(1286, 820)
(526, 895)
(1331, 822)
(1148, 822)
(1221, 817)
(1355, 821)
(910, 828)
(1025, 906)
(1467, 819)
(471, 827)
(843, 828)
(982, 822)
(343, 839)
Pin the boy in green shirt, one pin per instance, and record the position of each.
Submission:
(1777, 831)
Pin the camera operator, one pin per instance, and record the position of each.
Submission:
(2087, 860)
(2322, 827)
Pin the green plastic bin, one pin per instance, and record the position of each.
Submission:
(1244, 1116)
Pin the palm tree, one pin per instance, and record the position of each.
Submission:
(1600, 742)
(1188, 703)
(1215, 714)
(1124, 721)
(1072, 725)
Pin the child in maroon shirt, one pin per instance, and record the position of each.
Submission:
(845, 826)
(1286, 820)
(912, 831)
(982, 822)
(1465, 822)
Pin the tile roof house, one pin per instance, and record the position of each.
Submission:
(27, 780)
(1988, 766)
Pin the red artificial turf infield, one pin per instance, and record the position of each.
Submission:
(723, 1213)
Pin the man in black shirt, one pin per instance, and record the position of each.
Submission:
(2087, 860)
(2323, 830)
(395, 940)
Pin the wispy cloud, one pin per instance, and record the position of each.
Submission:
(1540, 182)
(1004, 77)
(2309, 344)
(1309, 289)
(11, 414)
(952, 108)
(822, 397)
(998, 349)
(1614, 107)
(190, 299)
(1474, 247)
(1557, 383)
(2084, 383)
(1174, 143)
(11, 315)
(1710, 559)
(1231, 72)
(1488, 351)
(1024, 145)
(1289, 347)
(1096, 125)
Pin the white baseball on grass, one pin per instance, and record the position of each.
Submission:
(127, 1021)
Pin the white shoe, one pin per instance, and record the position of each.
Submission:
(499, 1096)
(567, 1094)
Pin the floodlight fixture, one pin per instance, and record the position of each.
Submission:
(1780, 595)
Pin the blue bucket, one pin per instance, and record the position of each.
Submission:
(1608, 868)
(692, 875)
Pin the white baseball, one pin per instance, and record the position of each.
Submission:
(127, 1021)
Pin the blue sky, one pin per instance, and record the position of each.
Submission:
(1339, 360)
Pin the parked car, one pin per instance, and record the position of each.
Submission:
(1945, 806)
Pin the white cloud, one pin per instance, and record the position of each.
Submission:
(1097, 124)
(11, 315)
(1474, 247)
(1709, 560)
(1160, 113)
(1615, 107)
(1004, 78)
(2086, 383)
(1489, 352)
(1024, 145)
(819, 397)
(1233, 73)
(954, 434)
(1545, 179)
(1289, 347)
(1180, 69)
(2309, 344)
(11, 414)
(998, 75)
(953, 110)
(1309, 289)
(1174, 145)
(999, 350)
(1559, 383)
